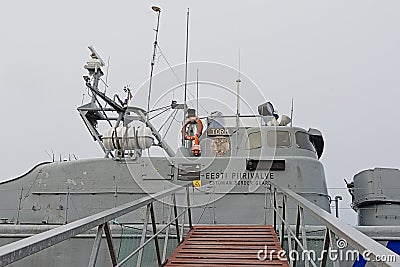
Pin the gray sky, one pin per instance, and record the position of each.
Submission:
(339, 60)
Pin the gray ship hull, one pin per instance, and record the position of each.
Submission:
(61, 192)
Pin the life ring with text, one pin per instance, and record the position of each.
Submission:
(199, 128)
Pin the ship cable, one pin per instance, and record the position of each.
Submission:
(180, 83)
(169, 116)
(169, 126)
(158, 114)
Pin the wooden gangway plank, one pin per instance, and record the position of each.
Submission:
(228, 245)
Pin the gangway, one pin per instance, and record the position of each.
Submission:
(213, 244)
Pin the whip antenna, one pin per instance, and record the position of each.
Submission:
(238, 81)
(197, 92)
(186, 64)
(186, 67)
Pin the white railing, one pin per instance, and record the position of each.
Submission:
(335, 231)
(20, 249)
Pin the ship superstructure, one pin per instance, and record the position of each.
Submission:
(231, 158)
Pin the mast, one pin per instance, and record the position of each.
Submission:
(158, 11)
(186, 67)
(197, 93)
(238, 81)
(291, 115)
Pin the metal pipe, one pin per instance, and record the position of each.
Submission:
(337, 198)
(110, 244)
(164, 255)
(96, 246)
(143, 238)
(176, 218)
(154, 227)
(188, 207)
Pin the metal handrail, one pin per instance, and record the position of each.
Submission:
(150, 239)
(20, 249)
(334, 227)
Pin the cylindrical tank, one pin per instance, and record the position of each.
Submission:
(128, 138)
(144, 137)
(376, 196)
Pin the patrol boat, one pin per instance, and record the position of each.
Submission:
(234, 163)
(230, 160)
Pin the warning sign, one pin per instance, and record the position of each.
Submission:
(197, 183)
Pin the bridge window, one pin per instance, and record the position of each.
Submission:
(254, 140)
(278, 138)
(303, 141)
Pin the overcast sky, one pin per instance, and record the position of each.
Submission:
(339, 60)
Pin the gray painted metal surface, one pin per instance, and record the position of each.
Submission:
(376, 196)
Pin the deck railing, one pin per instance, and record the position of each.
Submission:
(20, 249)
(285, 200)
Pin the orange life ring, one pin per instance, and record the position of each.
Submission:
(199, 128)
